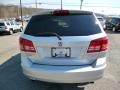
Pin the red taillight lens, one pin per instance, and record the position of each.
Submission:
(98, 45)
(26, 45)
(61, 12)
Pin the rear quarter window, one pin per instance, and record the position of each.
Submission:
(68, 25)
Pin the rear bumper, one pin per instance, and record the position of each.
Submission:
(63, 74)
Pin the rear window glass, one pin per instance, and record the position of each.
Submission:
(2, 24)
(69, 25)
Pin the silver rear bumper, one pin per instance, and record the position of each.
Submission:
(63, 74)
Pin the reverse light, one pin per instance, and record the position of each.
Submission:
(98, 45)
(26, 45)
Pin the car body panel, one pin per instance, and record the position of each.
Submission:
(112, 23)
(9, 25)
(77, 44)
(64, 74)
(49, 61)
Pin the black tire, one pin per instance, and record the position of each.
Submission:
(114, 29)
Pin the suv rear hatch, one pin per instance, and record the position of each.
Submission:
(76, 31)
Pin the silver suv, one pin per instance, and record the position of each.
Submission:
(64, 46)
(10, 27)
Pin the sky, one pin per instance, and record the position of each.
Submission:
(100, 6)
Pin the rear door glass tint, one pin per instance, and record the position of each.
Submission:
(70, 25)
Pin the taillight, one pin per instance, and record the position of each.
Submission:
(26, 45)
(98, 45)
(61, 12)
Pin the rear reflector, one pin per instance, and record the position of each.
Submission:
(61, 12)
(98, 45)
(26, 45)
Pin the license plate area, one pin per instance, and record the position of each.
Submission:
(61, 52)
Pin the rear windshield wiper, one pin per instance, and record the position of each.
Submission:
(49, 34)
